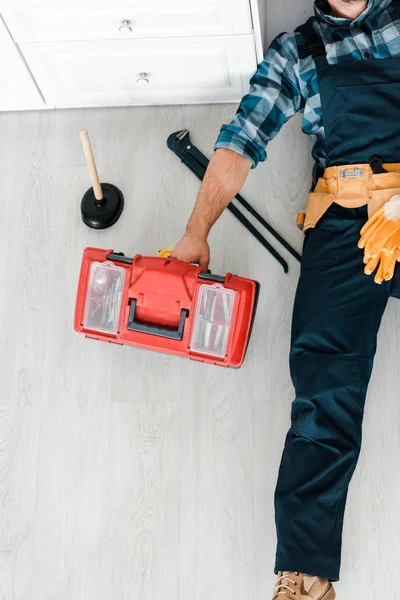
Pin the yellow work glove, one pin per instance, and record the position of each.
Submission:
(380, 238)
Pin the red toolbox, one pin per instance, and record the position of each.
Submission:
(165, 305)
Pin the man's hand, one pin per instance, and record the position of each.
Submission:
(192, 249)
(224, 178)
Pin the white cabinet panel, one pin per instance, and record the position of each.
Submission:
(44, 21)
(17, 90)
(106, 73)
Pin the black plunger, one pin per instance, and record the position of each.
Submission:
(102, 204)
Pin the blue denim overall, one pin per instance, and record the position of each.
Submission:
(337, 314)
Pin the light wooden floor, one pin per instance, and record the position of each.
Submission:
(126, 474)
(131, 475)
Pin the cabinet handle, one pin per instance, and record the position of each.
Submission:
(126, 27)
(143, 79)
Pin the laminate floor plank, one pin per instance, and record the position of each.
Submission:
(19, 448)
(141, 549)
(126, 473)
(26, 180)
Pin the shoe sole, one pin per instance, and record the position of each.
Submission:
(329, 594)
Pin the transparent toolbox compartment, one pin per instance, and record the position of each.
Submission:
(212, 321)
(103, 299)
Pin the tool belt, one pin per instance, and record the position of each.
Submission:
(351, 186)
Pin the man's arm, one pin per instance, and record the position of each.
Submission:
(224, 178)
(273, 99)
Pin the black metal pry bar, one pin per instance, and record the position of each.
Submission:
(179, 142)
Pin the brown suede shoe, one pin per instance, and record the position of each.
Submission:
(296, 586)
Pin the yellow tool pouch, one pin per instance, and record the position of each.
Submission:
(317, 206)
(351, 186)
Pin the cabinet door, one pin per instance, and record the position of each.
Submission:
(129, 72)
(17, 90)
(47, 20)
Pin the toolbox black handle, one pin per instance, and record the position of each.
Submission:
(120, 257)
(211, 277)
(171, 334)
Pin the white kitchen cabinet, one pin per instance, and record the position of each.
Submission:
(17, 90)
(129, 52)
(55, 21)
(126, 72)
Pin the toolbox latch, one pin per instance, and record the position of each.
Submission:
(120, 257)
(211, 277)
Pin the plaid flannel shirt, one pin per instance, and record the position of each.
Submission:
(286, 81)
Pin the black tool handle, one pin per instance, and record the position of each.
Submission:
(203, 160)
(191, 156)
(235, 211)
(268, 227)
(171, 334)
(194, 160)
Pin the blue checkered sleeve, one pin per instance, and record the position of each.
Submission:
(274, 97)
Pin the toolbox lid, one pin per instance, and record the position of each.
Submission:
(103, 300)
(212, 320)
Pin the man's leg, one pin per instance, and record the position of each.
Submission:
(336, 318)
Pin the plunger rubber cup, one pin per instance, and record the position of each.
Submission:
(100, 214)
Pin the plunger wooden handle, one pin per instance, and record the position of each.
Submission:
(87, 149)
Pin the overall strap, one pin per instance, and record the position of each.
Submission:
(316, 47)
(396, 8)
